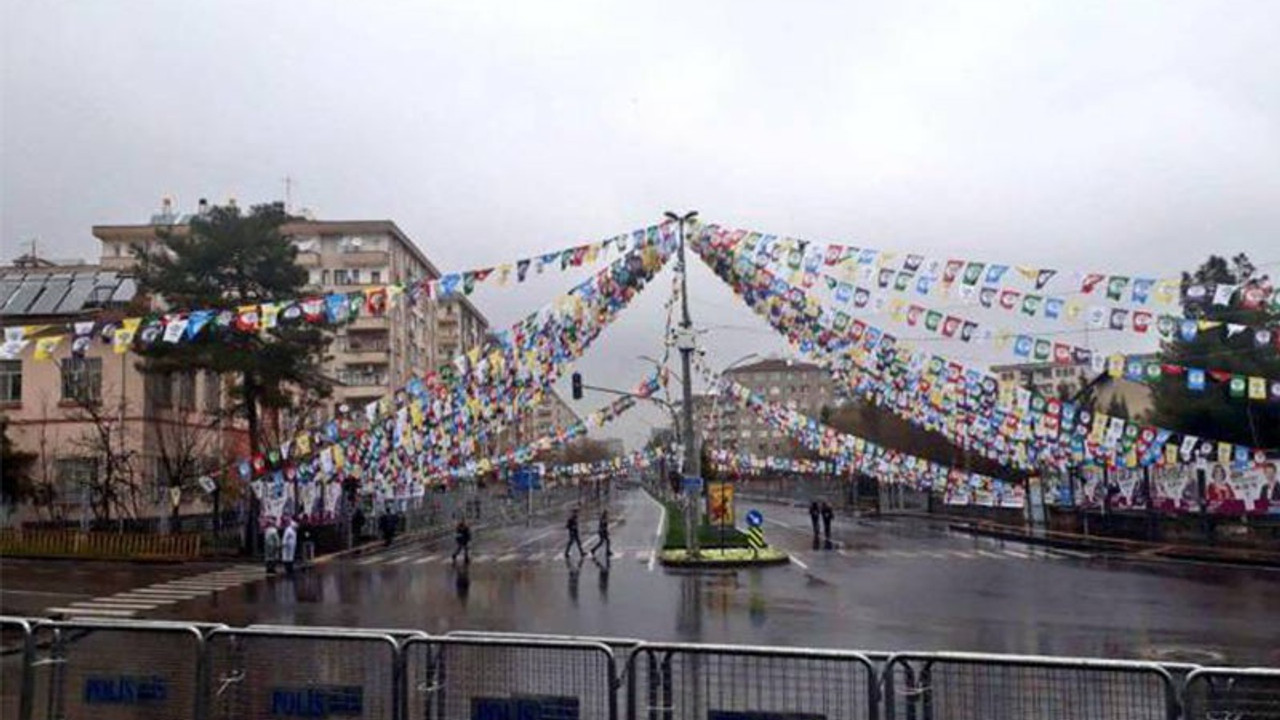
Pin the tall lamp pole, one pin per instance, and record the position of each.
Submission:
(685, 343)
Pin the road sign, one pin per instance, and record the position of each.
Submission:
(754, 518)
(693, 485)
(755, 537)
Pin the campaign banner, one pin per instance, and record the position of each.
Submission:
(720, 503)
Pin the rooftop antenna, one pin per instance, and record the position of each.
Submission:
(288, 194)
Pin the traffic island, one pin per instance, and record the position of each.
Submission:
(723, 557)
(719, 546)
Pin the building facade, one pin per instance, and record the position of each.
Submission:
(1065, 381)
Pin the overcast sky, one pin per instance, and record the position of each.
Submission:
(1135, 137)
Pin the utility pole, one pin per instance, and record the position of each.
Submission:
(685, 343)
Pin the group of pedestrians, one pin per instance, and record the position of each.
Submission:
(280, 545)
(821, 511)
(462, 538)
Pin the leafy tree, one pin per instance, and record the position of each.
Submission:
(225, 260)
(1117, 407)
(1212, 412)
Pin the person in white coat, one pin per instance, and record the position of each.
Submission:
(289, 546)
(271, 547)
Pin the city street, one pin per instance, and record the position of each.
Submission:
(888, 584)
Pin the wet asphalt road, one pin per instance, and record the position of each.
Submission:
(885, 585)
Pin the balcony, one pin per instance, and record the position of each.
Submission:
(365, 345)
(364, 379)
(370, 322)
(308, 259)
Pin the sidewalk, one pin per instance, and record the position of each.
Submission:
(1132, 549)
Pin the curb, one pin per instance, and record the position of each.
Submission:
(1143, 551)
(707, 561)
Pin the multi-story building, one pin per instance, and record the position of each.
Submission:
(800, 386)
(107, 438)
(1062, 380)
(372, 355)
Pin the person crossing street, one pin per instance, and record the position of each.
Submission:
(462, 536)
(602, 537)
(574, 538)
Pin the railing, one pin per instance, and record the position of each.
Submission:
(150, 669)
(16, 541)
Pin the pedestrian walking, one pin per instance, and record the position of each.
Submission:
(827, 516)
(462, 538)
(271, 547)
(574, 539)
(602, 537)
(388, 526)
(289, 546)
(815, 512)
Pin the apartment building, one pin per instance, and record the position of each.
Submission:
(1062, 380)
(800, 386)
(370, 356)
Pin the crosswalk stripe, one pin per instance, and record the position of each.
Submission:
(482, 558)
(986, 554)
(1016, 554)
(399, 560)
(157, 599)
(208, 587)
(109, 604)
(937, 555)
(963, 554)
(507, 558)
(87, 612)
(425, 560)
(180, 594)
(536, 557)
(371, 560)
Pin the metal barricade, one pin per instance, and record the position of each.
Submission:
(508, 677)
(106, 670)
(17, 643)
(1232, 694)
(254, 673)
(963, 686)
(722, 682)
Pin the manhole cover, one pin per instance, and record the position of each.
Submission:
(1184, 654)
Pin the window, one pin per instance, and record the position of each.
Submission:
(340, 277)
(160, 391)
(324, 277)
(11, 381)
(82, 379)
(76, 476)
(375, 277)
(212, 393)
(187, 390)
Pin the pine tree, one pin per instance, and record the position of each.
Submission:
(1212, 412)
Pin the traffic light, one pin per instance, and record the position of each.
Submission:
(577, 386)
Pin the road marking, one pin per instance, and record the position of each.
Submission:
(372, 560)
(400, 560)
(538, 537)
(535, 557)
(1016, 554)
(482, 558)
(427, 559)
(208, 587)
(157, 599)
(171, 590)
(984, 553)
(88, 612)
(508, 557)
(657, 533)
(963, 554)
(797, 561)
(109, 604)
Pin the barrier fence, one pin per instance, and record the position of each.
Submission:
(151, 669)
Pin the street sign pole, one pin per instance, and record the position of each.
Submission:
(685, 343)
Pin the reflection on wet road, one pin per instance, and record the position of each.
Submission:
(885, 584)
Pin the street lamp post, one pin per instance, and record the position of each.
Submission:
(719, 430)
(685, 343)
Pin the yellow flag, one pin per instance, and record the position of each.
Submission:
(46, 345)
(124, 335)
(1115, 365)
(339, 458)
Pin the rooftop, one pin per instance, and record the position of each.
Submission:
(29, 293)
(775, 365)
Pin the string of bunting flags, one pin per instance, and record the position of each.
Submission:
(1133, 367)
(743, 463)
(850, 452)
(427, 427)
(332, 309)
(940, 276)
(1032, 430)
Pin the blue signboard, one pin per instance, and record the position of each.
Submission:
(693, 485)
(125, 690)
(525, 708)
(319, 701)
(754, 518)
(527, 479)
